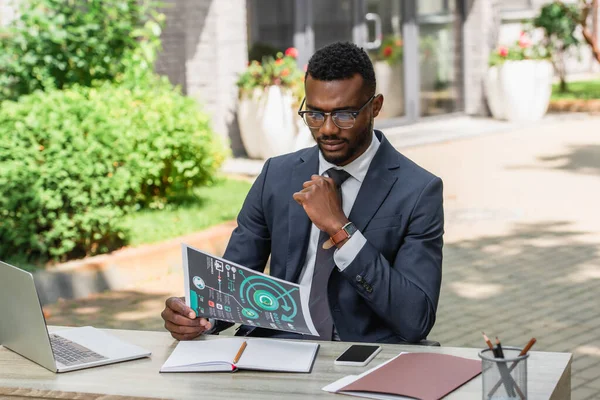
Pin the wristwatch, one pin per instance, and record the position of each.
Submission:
(345, 233)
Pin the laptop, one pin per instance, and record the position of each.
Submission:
(23, 330)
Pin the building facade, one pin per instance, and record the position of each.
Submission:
(443, 48)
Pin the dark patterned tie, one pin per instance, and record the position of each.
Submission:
(324, 264)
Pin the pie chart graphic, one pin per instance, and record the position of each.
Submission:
(262, 294)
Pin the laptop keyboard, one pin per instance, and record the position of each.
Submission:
(70, 353)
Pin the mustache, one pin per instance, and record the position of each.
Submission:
(322, 139)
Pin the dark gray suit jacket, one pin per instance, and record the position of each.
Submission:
(390, 292)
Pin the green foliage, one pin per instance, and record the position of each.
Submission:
(391, 50)
(58, 43)
(281, 70)
(521, 49)
(559, 21)
(74, 162)
(585, 90)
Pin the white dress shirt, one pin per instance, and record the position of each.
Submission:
(346, 254)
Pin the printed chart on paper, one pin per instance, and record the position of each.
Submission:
(217, 288)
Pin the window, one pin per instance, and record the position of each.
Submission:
(514, 5)
(271, 26)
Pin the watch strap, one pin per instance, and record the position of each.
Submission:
(339, 236)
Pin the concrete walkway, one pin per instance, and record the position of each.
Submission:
(522, 253)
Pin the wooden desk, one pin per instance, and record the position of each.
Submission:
(549, 376)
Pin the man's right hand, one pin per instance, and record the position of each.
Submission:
(181, 320)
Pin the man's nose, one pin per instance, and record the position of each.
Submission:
(329, 127)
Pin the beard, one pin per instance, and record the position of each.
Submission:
(352, 148)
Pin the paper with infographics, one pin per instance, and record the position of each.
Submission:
(220, 289)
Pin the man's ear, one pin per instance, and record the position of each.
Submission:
(377, 104)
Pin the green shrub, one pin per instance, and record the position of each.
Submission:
(59, 43)
(74, 162)
(559, 21)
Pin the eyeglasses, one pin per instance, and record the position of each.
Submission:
(343, 119)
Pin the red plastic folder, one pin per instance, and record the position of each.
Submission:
(424, 376)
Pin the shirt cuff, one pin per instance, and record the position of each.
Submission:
(348, 252)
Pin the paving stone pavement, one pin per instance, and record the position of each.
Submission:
(521, 255)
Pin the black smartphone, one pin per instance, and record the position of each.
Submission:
(358, 354)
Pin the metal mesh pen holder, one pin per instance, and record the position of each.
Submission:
(504, 378)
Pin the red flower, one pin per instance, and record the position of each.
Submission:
(387, 51)
(292, 52)
(285, 72)
(279, 61)
(524, 42)
(503, 51)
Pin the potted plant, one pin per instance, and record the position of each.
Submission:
(518, 84)
(269, 94)
(389, 72)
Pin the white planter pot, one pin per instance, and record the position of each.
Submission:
(519, 90)
(250, 123)
(267, 122)
(303, 136)
(390, 80)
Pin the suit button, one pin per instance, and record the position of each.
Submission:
(359, 278)
(369, 289)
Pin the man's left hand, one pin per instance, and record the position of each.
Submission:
(321, 202)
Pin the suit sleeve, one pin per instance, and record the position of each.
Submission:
(405, 292)
(250, 242)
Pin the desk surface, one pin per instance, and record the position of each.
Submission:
(549, 375)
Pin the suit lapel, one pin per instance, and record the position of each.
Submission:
(377, 184)
(298, 222)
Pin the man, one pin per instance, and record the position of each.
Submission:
(380, 282)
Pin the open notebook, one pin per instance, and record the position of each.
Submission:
(423, 376)
(258, 354)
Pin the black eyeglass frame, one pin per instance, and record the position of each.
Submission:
(332, 113)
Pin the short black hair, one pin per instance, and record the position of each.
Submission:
(342, 60)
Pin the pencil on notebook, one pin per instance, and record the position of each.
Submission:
(240, 351)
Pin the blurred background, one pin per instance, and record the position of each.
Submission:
(128, 127)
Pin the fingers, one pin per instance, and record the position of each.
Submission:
(181, 321)
(188, 336)
(178, 319)
(187, 330)
(298, 197)
(180, 332)
(184, 330)
(178, 305)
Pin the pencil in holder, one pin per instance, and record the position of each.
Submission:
(504, 378)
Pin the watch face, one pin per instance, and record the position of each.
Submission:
(350, 229)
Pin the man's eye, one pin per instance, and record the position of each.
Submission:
(344, 116)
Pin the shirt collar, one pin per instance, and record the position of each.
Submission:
(357, 168)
